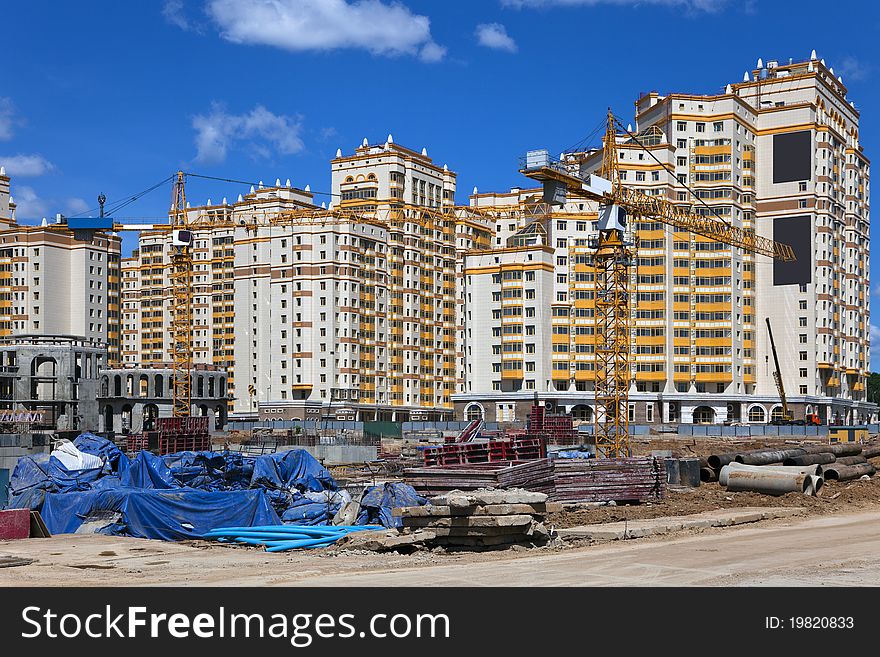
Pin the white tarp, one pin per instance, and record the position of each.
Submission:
(73, 459)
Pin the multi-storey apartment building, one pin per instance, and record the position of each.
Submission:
(371, 299)
(147, 290)
(777, 153)
(345, 312)
(53, 284)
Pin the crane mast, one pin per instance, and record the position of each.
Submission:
(181, 301)
(612, 259)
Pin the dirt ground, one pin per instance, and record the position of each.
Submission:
(834, 498)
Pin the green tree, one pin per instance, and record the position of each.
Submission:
(874, 387)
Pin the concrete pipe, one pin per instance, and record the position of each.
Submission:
(847, 472)
(703, 462)
(838, 449)
(689, 472)
(816, 484)
(767, 457)
(851, 460)
(785, 469)
(718, 461)
(673, 475)
(707, 475)
(871, 450)
(810, 459)
(769, 482)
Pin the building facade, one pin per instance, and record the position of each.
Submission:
(53, 284)
(777, 154)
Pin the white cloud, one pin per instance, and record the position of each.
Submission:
(6, 120)
(432, 52)
(381, 28)
(26, 165)
(875, 334)
(494, 35)
(172, 11)
(75, 205)
(853, 68)
(257, 130)
(708, 6)
(28, 204)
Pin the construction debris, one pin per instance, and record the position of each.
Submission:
(533, 475)
(635, 479)
(465, 520)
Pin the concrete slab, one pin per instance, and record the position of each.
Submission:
(614, 531)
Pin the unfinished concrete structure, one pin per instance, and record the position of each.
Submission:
(131, 399)
(50, 382)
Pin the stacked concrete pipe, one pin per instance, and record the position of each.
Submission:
(847, 472)
(770, 481)
(819, 458)
(815, 470)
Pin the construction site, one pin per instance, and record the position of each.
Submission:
(647, 367)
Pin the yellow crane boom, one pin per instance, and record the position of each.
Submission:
(612, 259)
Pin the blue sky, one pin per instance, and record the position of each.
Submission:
(109, 96)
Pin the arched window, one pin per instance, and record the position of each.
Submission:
(474, 412)
(776, 413)
(757, 414)
(582, 412)
(704, 415)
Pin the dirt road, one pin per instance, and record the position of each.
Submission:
(829, 550)
(838, 551)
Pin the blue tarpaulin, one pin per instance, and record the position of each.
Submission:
(174, 496)
(147, 470)
(378, 501)
(315, 508)
(91, 444)
(170, 515)
(294, 469)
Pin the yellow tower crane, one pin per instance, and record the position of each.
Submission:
(84, 228)
(181, 301)
(612, 260)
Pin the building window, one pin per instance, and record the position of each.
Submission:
(803, 355)
(681, 126)
(756, 414)
(803, 390)
(803, 372)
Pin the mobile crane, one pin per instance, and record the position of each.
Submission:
(612, 260)
(787, 416)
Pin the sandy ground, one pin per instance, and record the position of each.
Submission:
(817, 550)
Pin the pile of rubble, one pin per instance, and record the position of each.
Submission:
(481, 519)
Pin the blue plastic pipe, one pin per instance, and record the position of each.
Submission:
(278, 538)
(290, 545)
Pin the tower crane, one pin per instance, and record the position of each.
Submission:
(181, 275)
(612, 260)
